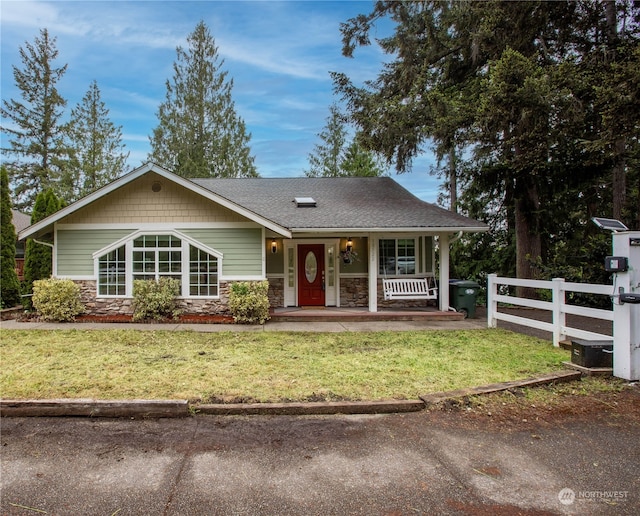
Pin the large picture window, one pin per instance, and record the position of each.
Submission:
(151, 257)
(397, 257)
(156, 256)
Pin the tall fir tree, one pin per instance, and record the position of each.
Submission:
(360, 162)
(326, 157)
(336, 157)
(540, 97)
(199, 133)
(38, 257)
(35, 134)
(97, 155)
(9, 283)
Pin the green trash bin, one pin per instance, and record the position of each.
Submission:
(463, 295)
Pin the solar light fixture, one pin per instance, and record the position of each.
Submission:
(612, 225)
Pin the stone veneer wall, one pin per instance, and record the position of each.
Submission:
(276, 292)
(354, 292)
(124, 306)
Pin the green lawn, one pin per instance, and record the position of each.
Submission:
(265, 366)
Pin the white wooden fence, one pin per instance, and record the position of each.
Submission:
(557, 306)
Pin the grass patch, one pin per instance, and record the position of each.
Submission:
(266, 366)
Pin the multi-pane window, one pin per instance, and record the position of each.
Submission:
(203, 273)
(397, 257)
(151, 257)
(155, 256)
(112, 273)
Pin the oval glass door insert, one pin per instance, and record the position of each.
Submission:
(310, 267)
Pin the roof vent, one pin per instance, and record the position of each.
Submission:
(305, 202)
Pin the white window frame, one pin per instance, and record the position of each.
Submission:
(395, 272)
(186, 242)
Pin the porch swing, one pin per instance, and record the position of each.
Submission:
(408, 288)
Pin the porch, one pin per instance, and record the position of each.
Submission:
(361, 314)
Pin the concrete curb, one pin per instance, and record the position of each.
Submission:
(182, 408)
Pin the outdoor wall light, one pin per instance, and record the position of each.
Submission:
(274, 246)
(349, 247)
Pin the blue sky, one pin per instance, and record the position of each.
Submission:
(279, 55)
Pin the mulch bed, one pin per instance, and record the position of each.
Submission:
(182, 319)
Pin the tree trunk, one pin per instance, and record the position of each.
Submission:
(528, 240)
(618, 179)
(453, 181)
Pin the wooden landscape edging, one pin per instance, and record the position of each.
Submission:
(182, 408)
(561, 376)
(94, 408)
(310, 408)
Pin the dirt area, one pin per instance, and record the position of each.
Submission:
(605, 400)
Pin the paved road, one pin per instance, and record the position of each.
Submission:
(400, 464)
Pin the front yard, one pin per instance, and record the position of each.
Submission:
(264, 367)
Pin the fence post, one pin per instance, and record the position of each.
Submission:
(559, 317)
(492, 304)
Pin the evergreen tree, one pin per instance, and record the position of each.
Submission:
(9, 284)
(334, 158)
(34, 129)
(326, 158)
(541, 97)
(97, 156)
(359, 162)
(199, 133)
(38, 257)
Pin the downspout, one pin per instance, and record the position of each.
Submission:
(43, 243)
(456, 238)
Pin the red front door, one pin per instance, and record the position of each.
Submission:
(311, 275)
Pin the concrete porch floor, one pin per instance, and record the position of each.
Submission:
(334, 314)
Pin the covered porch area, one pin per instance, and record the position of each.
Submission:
(361, 314)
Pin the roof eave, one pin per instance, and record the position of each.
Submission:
(407, 229)
(44, 224)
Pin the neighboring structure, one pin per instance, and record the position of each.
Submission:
(319, 241)
(20, 221)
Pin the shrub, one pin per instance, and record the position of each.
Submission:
(9, 284)
(57, 299)
(249, 303)
(155, 299)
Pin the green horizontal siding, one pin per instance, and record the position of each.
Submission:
(242, 248)
(76, 247)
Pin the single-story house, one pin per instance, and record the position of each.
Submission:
(318, 241)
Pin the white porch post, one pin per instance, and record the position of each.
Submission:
(373, 273)
(443, 241)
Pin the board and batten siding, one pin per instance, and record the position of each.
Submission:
(75, 248)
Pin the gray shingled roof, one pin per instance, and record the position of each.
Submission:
(20, 220)
(349, 203)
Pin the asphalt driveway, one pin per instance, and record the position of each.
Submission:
(398, 464)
